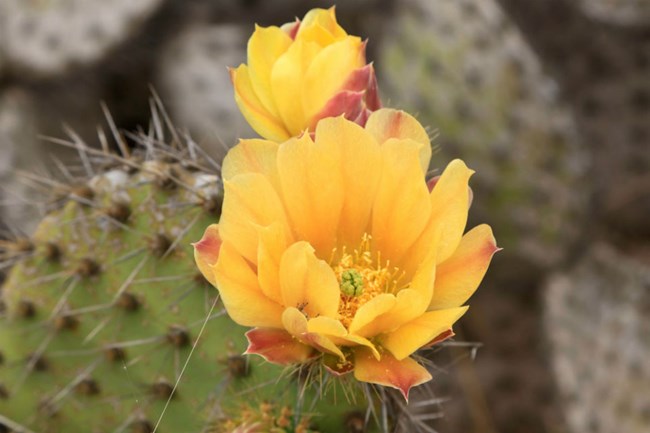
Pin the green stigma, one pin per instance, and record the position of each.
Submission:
(351, 282)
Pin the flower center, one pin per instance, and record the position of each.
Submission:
(362, 276)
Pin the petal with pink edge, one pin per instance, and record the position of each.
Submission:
(277, 346)
(388, 371)
(206, 252)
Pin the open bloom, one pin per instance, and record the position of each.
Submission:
(335, 246)
(302, 72)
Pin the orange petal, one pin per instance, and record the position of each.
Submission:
(419, 332)
(329, 71)
(458, 277)
(369, 311)
(296, 324)
(241, 293)
(264, 48)
(277, 346)
(388, 123)
(449, 206)
(206, 252)
(408, 305)
(402, 206)
(308, 283)
(388, 371)
(287, 81)
(336, 332)
(323, 18)
(261, 120)
(359, 163)
(252, 156)
(313, 191)
(274, 240)
(250, 202)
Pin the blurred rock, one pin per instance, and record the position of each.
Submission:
(195, 83)
(467, 72)
(620, 12)
(44, 37)
(19, 205)
(596, 320)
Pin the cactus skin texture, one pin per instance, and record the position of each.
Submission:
(104, 307)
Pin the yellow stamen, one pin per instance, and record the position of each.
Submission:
(362, 277)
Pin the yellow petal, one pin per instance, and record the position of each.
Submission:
(241, 294)
(336, 332)
(250, 202)
(313, 191)
(407, 306)
(287, 79)
(449, 207)
(206, 252)
(251, 156)
(260, 119)
(264, 48)
(324, 19)
(388, 371)
(388, 123)
(360, 166)
(308, 283)
(329, 71)
(402, 207)
(273, 241)
(296, 324)
(417, 333)
(369, 311)
(459, 276)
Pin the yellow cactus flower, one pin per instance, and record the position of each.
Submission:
(302, 72)
(335, 249)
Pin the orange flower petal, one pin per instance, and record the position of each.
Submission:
(277, 346)
(449, 206)
(274, 240)
(297, 325)
(420, 331)
(359, 163)
(458, 277)
(368, 313)
(402, 206)
(206, 252)
(388, 371)
(241, 293)
(287, 78)
(250, 202)
(264, 48)
(336, 332)
(329, 71)
(388, 123)
(252, 156)
(308, 283)
(313, 191)
(324, 19)
(408, 305)
(261, 120)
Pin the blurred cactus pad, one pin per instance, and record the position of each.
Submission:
(107, 326)
(461, 67)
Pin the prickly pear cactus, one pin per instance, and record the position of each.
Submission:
(467, 72)
(107, 326)
(47, 36)
(596, 321)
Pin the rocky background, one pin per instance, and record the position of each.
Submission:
(548, 100)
